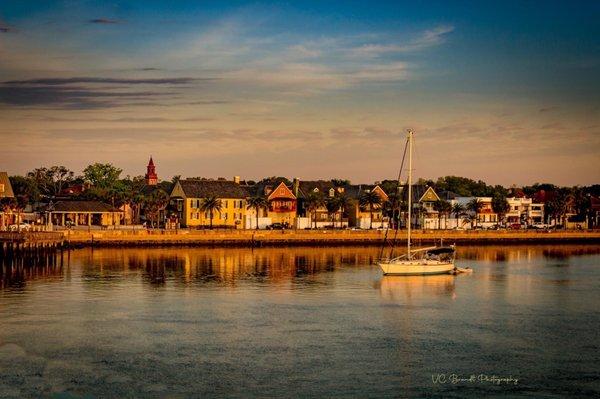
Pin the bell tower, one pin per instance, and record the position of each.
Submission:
(151, 177)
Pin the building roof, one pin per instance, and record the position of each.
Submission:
(418, 191)
(195, 188)
(6, 190)
(321, 186)
(82, 206)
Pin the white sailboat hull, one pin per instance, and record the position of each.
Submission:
(416, 267)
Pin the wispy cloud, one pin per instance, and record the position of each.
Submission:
(428, 38)
(103, 21)
(77, 80)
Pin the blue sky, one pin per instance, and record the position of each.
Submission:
(507, 92)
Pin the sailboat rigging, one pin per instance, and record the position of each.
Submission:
(421, 261)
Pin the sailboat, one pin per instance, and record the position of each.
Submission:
(421, 261)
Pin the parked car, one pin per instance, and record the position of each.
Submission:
(515, 226)
(20, 227)
(278, 226)
(540, 226)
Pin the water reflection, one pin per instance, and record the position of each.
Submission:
(159, 267)
(406, 288)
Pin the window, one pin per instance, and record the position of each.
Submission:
(224, 216)
(224, 204)
(1, 188)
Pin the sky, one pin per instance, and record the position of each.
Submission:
(507, 92)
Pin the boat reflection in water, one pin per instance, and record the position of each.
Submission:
(403, 288)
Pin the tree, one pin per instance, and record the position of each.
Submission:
(500, 206)
(156, 202)
(344, 203)
(458, 209)
(133, 195)
(332, 206)
(211, 205)
(102, 175)
(51, 181)
(312, 203)
(474, 206)
(257, 203)
(371, 200)
(443, 208)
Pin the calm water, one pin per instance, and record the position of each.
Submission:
(301, 322)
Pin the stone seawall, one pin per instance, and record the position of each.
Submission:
(316, 237)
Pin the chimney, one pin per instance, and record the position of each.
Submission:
(236, 179)
(296, 186)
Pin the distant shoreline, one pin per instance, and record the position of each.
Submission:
(262, 238)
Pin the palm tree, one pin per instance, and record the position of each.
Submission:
(443, 208)
(313, 202)
(458, 209)
(500, 206)
(372, 200)
(333, 207)
(210, 205)
(257, 203)
(344, 203)
(474, 206)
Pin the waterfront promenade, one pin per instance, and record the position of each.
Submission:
(316, 237)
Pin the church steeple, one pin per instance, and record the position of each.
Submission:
(151, 176)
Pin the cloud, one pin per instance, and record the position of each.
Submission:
(76, 80)
(103, 21)
(69, 97)
(428, 38)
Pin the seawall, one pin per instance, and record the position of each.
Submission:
(260, 238)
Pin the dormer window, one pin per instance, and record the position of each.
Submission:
(331, 192)
(316, 190)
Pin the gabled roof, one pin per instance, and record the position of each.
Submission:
(419, 191)
(315, 186)
(356, 190)
(194, 188)
(281, 191)
(6, 190)
(82, 206)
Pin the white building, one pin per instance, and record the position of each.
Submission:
(524, 210)
(486, 217)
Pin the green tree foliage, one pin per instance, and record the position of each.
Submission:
(500, 206)
(465, 187)
(211, 205)
(102, 175)
(312, 203)
(51, 181)
(370, 200)
(257, 203)
(474, 206)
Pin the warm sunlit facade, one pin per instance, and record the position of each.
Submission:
(188, 196)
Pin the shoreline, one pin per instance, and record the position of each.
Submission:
(262, 238)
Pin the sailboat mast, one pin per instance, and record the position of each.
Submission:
(410, 133)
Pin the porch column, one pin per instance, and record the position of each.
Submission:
(63, 219)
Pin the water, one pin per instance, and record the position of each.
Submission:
(320, 322)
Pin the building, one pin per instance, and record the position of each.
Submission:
(424, 215)
(319, 217)
(486, 217)
(524, 211)
(151, 176)
(83, 213)
(188, 195)
(361, 216)
(282, 204)
(6, 194)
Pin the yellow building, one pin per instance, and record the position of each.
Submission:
(188, 195)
